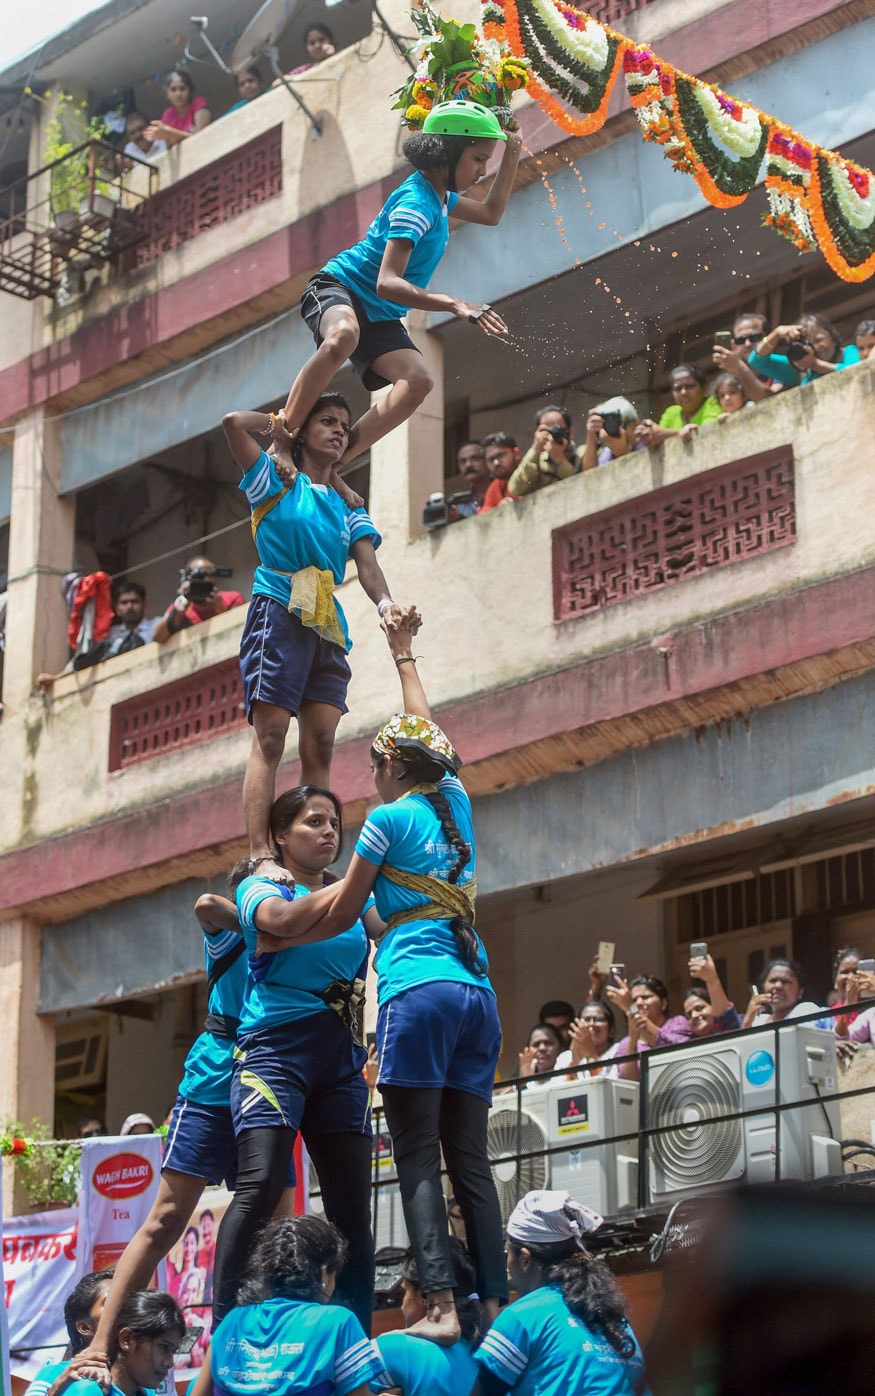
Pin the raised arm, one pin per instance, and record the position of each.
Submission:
(240, 429)
(401, 645)
(490, 211)
(706, 970)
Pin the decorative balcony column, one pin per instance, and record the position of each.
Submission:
(408, 464)
(27, 1082)
(40, 551)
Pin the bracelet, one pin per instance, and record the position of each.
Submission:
(385, 605)
(407, 659)
(180, 603)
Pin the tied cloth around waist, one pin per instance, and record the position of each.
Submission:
(312, 600)
(222, 1025)
(446, 899)
(346, 998)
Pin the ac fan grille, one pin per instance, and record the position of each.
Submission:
(507, 1134)
(691, 1094)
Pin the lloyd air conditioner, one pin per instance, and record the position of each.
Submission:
(580, 1116)
(386, 1210)
(701, 1081)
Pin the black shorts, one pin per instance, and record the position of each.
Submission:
(376, 337)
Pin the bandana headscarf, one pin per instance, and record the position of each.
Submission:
(550, 1218)
(405, 732)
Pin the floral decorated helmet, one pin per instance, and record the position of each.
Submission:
(454, 61)
(405, 734)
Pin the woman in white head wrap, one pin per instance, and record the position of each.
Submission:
(567, 1334)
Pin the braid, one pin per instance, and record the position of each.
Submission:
(441, 806)
(591, 1293)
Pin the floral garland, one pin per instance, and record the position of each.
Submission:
(11, 1145)
(816, 199)
(455, 61)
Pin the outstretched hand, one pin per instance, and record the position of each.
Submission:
(399, 626)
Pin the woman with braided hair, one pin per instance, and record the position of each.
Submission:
(438, 1034)
(567, 1333)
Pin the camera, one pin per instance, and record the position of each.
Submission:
(437, 511)
(201, 583)
(798, 349)
(560, 434)
(612, 423)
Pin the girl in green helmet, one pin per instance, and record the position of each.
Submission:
(356, 304)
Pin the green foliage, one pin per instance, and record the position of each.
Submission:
(68, 128)
(49, 1171)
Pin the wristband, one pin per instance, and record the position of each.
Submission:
(406, 659)
(180, 603)
(385, 605)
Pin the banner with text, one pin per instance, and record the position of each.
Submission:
(39, 1270)
(119, 1182)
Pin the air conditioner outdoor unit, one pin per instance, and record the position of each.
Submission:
(700, 1081)
(390, 1230)
(603, 1175)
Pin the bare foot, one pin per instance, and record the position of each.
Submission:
(440, 1325)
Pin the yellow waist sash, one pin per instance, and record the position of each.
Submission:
(446, 899)
(312, 595)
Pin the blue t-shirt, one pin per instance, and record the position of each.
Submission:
(310, 527)
(415, 213)
(538, 1348)
(206, 1076)
(407, 835)
(421, 1368)
(284, 987)
(46, 1377)
(283, 1347)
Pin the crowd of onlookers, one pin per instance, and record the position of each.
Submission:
(187, 113)
(591, 1042)
(753, 362)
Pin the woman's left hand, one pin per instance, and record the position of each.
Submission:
(647, 1031)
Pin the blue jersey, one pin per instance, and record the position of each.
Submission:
(46, 1377)
(421, 1368)
(537, 1347)
(416, 213)
(407, 835)
(285, 987)
(206, 1076)
(309, 527)
(282, 1347)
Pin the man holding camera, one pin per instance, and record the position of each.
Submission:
(198, 598)
(552, 455)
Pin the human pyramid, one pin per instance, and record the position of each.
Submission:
(286, 959)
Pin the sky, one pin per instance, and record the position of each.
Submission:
(28, 24)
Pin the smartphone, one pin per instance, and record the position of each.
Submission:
(699, 950)
(754, 990)
(723, 338)
(866, 967)
(605, 956)
(618, 972)
(370, 1040)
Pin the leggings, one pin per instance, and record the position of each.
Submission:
(343, 1162)
(422, 1122)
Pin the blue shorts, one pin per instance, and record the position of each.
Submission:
(303, 1075)
(201, 1142)
(442, 1034)
(284, 662)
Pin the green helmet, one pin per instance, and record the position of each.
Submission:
(459, 117)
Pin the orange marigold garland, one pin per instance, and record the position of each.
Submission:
(841, 206)
(575, 60)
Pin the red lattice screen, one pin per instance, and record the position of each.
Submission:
(223, 190)
(182, 714)
(711, 520)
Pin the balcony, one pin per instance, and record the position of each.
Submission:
(636, 633)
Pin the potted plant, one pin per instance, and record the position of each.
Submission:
(47, 1168)
(76, 188)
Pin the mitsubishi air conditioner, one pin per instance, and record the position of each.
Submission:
(700, 1081)
(582, 1117)
(386, 1210)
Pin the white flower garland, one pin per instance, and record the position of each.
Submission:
(859, 212)
(782, 204)
(740, 136)
(589, 44)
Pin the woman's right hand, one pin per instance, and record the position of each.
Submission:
(527, 1058)
(704, 968)
(581, 1042)
(483, 316)
(620, 994)
(759, 1003)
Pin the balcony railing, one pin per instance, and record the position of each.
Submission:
(182, 714)
(74, 214)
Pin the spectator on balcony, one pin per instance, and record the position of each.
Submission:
(130, 628)
(538, 1057)
(185, 116)
(782, 995)
(610, 433)
(810, 349)
(559, 1014)
(747, 332)
(471, 465)
(319, 43)
(502, 458)
(295, 641)
(706, 1007)
(864, 338)
(552, 455)
(645, 1001)
(692, 407)
(183, 612)
(91, 1127)
(250, 84)
(139, 146)
(851, 985)
(729, 392)
(592, 1043)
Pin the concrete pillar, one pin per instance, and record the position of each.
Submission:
(40, 551)
(408, 464)
(27, 1081)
